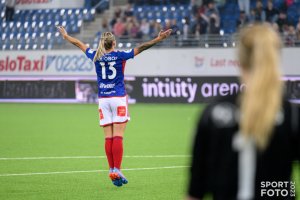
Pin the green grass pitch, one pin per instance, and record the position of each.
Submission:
(66, 132)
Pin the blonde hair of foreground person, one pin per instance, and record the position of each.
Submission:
(259, 57)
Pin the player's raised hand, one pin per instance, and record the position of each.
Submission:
(62, 31)
(161, 36)
(164, 34)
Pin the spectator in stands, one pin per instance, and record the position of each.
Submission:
(117, 15)
(243, 20)
(186, 28)
(10, 9)
(145, 27)
(290, 36)
(201, 10)
(112, 22)
(195, 4)
(174, 27)
(211, 9)
(220, 3)
(167, 24)
(252, 16)
(282, 20)
(288, 3)
(200, 25)
(275, 27)
(155, 28)
(260, 15)
(298, 30)
(119, 28)
(105, 27)
(128, 25)
(244, 5)
(271, 12)
(118, 12)
(129, 11)
(206, 2)
(197, 31)
(134, 31)
(213, 25)
(152, 28)
(137, 2)
(131, 2)
(212, 16)
(285, 29)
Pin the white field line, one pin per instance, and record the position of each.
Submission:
(94, 157)
(92, 171)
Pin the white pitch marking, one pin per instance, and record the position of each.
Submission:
(91, 171)
(93, 157)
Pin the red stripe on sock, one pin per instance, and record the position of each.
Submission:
(109, 152)
(117, 150)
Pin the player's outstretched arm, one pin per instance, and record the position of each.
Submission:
(161, 36)
(72, 40)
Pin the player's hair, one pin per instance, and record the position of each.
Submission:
(259, 55)
(105, 43)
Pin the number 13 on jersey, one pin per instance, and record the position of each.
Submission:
(111, 67)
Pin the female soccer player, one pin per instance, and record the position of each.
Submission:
(113, 108)
(243, 143)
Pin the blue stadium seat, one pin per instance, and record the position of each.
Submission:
(6, 41)
(88, 15)
(293, 13)
(59, 40)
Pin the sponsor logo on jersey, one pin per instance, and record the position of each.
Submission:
(107, 86)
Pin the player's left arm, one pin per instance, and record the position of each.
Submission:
(71, 39)
(161, 36)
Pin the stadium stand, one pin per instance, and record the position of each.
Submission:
(35, 29)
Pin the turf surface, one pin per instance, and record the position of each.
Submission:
(54, 130)
(58, 130)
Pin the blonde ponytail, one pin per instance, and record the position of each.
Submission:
(260, 103)
(105, 43)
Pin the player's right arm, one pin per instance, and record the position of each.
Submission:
(72, 40)
(161, 36)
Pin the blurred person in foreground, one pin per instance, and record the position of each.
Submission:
(246, 140)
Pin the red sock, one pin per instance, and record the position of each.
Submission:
(108, 151)
(117, 150)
